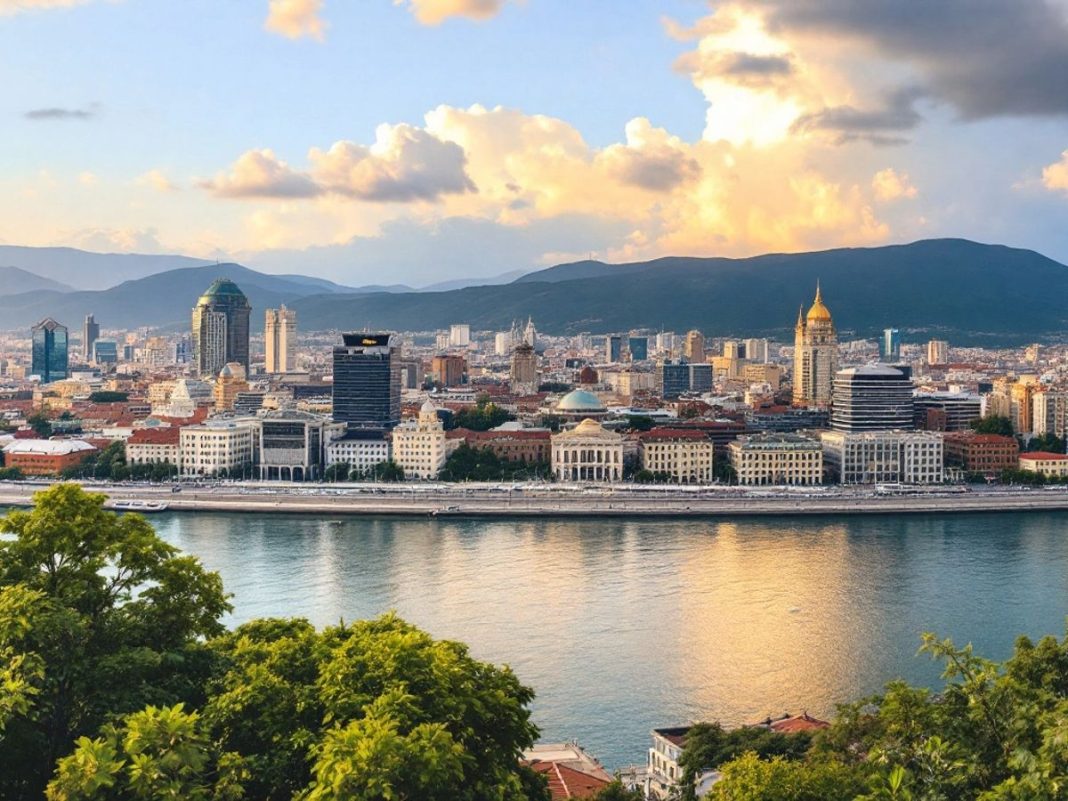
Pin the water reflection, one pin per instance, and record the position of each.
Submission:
(621, 626)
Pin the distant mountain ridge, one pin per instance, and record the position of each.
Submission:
(81, 269)
(15, 280)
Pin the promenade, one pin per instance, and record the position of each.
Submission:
(541, 500)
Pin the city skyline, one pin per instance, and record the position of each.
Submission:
(668, 128)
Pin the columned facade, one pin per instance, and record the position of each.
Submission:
(588, 452)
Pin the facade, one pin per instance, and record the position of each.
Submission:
(153, 446)
(292, 445)
(663, 771)
(777, 459)
(361, 449)
(1021, 403)
(45, 457)
(280, 340)
(218, 446)
(815, 356)
(449, 370)
(639, 348)
(694, 347)
(890, 345)
(873, 398)
(588, 452)
(1049, 413)
(883, 457)
(528, 446)
(937, 352)
(459, 335)
(685, 455)
(50, 358)
(672, 379)
(105, 352)
(220, 328)
(757, 351)
(946, 411)
(524, 378)
(90, 334)
(419, 445)
(1051, 465)
(230, 382)
(366, 389)
(981, 453)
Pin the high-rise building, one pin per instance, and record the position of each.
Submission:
(873, 398)
(946, 411)
(49, 359)
(1049, 413)
(530, 334)
(449, 370)
(672, 379)
(665, 342)
(459, 335)
(419, 446)
(890, 345)
(733, 350)
(937, 352)
(366, 388)
(694, 348)
(524, 376)
(757, 350)
(815, 355)
(502, 343)
(639, 348)
(220, 328)
(90, 334)
(105, 352)
(280, 340)
(616, 346)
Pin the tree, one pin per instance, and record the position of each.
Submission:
(107, 396)
(387, 471)
(40, 424)
(339, 471)
(1050, 443)
(482, 464)
(993, 424)
(617, 792)
(483, 416)
(102, 618)
(750, 778)
(11, 474)
(640, 422)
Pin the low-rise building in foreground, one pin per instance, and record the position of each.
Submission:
(777, 459)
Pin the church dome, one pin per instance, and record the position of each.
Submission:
(580, 400)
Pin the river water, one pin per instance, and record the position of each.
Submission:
(623, 626)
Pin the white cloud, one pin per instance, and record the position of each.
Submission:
(11, 7)
(156, 179)
(434, 12)
(115, 240)
(295, 19)
(259, 173)
(1055, 176)
(890, 185)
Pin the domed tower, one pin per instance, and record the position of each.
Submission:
(220, 328)
(815, 355)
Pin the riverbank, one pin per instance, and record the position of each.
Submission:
(538, 500)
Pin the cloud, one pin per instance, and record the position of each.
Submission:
(295, 19)
(880, 125)
(434, 12)
(158, 180)
(259, 173)
(87, 178)
(115, 240)
(405, 163)
(12, 7)
(890, 185)
(1055, 176)
(57, 113)
(651, 159)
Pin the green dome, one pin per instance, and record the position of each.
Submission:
(222, 290)
(580, 400)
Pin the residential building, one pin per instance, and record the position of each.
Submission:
(524, 377)
(157, 352)
(1051, 465)
(883, 457)
(938, 352)
(946, 411)
(815, 355)
(49, 358)
(871, 398)
(46, 457)
(90, 334)
(362, 449)
(280, 340)
(459, 335)
(105, 352)
(292, 444)
(230, 382)
(449, 370)
(981, 453)
(694, 347)
(154, 445)
(1021, 403)
(760, 373)
(757, 351)
(570, 772)
(890, 345)
(685, 455)
(366, 388)
(777, 459)
(220, 328)
(218, 447)
(588, 452)
(419, 445)
(664, 771)
(1049, 413)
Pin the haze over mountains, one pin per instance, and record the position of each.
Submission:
(969, 292)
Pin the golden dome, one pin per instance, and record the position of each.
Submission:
(818, 312)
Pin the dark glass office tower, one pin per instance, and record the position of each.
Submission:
(90, 334)
(49, 360)
(366, 389)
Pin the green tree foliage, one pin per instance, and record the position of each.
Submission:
(40, 424)
(108, 464)
(108, 396)
(553, 386)
(617, 792)
(709, 745)
(1044, 442)
(100, 618)
(750, 778)
(483, 416)
(640, 422)
(337, 472)
(482, 464)
(388, 471)
(994, 424)
(11, 474)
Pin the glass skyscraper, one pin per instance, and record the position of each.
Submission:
(50, 351)
(366, 390)
(220, 328)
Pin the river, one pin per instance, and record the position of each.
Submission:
(623, 626)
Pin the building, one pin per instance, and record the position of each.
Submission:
(815, 356)
(693, 348)
(946, 411)
(757, 351)
(459, 335)
(280, 340)
(570, 772)
(366, 388)
(685, 455)
(588, 452)
(530, 334)
(230, 382)
(1049, 414)
(872, 398)
(157, 352)
(502, 343)
(105, 352)
(890, 345)
(449, 370)
(770, 374)
(981, 453)
(220, 328)
(524, 377)
(218, 447)
(292, 444)
(639, 348)
(672, 379)
(580, 404)
(663, 771)
(362, 449)
(419, 445)
(616, 348)
(154, 446)
(777, 459)
(49, 359)
(529, 446)
(883, 457)
(46, 457)
(1051, 465)
(938, 352)
(90, 334)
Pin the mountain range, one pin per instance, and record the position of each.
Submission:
(950, 288)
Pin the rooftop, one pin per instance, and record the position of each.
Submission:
(48, 447)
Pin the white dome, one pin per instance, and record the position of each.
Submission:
(580, 400)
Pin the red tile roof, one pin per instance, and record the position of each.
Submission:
(156, 436)
(565, 782)
(669, 434)
(1044, 456)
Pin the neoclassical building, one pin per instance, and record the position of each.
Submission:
(588, 452)
(419, 445)
(815, 356)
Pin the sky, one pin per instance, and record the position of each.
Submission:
(415, 141)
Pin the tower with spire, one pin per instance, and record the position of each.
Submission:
(815, 355)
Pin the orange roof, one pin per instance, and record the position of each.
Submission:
(155, 436)
(565, 782)
(1043, 456)
(667, 434)
(796, 723)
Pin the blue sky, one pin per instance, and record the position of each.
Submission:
(446, 138)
